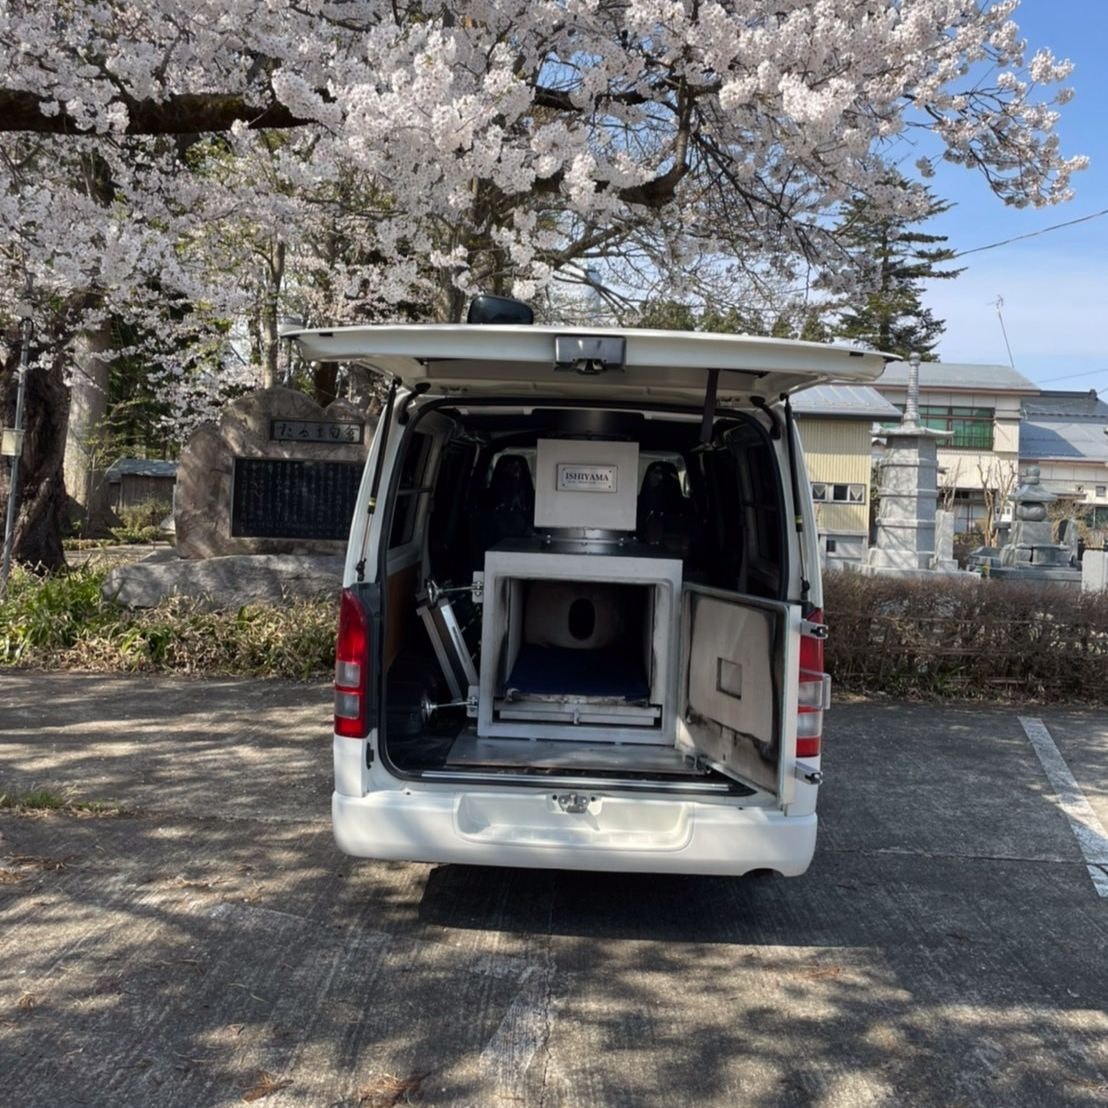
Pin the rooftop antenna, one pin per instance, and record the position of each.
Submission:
(999, 305)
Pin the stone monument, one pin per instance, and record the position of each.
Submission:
(277, 475)
(1032, 538)
(1094, 571)
(908, 488)
(944, 559)
(262, 505)
(1030, 552)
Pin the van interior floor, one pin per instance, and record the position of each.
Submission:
(557, 754)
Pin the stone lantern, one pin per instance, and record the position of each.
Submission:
(1032, 539)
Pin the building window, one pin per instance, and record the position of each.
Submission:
(969, 428)
(1101, 491)
(824, 492)
(968, 507)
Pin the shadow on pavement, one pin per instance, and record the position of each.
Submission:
(173, 958)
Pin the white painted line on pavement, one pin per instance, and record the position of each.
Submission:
(1087, 829)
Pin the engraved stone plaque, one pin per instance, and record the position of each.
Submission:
(277, 474)
(316, 430)
(293, 499)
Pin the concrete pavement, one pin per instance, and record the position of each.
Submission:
(946, 948)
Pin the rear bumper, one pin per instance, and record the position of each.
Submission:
(528, 828)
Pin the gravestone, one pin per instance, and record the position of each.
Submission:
(1094, 571)
(944, 541)
(277, 475)
(1071, 540)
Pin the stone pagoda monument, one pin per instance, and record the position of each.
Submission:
(909, 491)
(1032, 538)
(1031, 552)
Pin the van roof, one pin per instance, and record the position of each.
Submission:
(594, 362)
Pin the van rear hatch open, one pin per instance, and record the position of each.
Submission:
(601, 363)
(549, 473)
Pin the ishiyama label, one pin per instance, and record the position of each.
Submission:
(587, 478)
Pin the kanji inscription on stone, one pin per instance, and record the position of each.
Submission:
(277, 498)
(316, 430)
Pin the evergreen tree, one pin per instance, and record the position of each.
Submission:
(795, 322)
(806, 323)
(892, 316)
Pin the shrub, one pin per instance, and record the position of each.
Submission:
(42, 615)
(889, 635)
(965, 543)
(142, 522)
(61, 621)
(967, 638)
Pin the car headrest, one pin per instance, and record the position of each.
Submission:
(661, 490)
(510, 487)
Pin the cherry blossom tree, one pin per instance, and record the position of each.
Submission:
(512, 136)
(192, 165)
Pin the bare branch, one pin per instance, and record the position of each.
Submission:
(180, 114)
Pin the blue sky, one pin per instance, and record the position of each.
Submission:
(1054, 287)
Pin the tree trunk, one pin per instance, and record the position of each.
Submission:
(254, 326)
(85, 459)
(269, 344)
(325, 380)
(455, 304)
(42, 500)
(270, 340)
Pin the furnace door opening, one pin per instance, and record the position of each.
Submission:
(563, 655)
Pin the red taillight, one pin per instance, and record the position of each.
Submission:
(351, 660)
(811, 693)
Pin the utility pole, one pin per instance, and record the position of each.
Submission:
(13, 439)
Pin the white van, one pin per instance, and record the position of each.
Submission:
(581, 624)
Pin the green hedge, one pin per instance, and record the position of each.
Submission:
(966, 638)
(895, 636)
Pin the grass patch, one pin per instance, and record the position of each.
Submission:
(34, 800)
(48, 800)
(87, 544)
(62, 622)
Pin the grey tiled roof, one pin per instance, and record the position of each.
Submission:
(1079, 405)
(858, 401)
(1043, 437)
(1064, 424)
(140, 467)
(958, 375)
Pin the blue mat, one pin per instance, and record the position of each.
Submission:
(551, 670)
